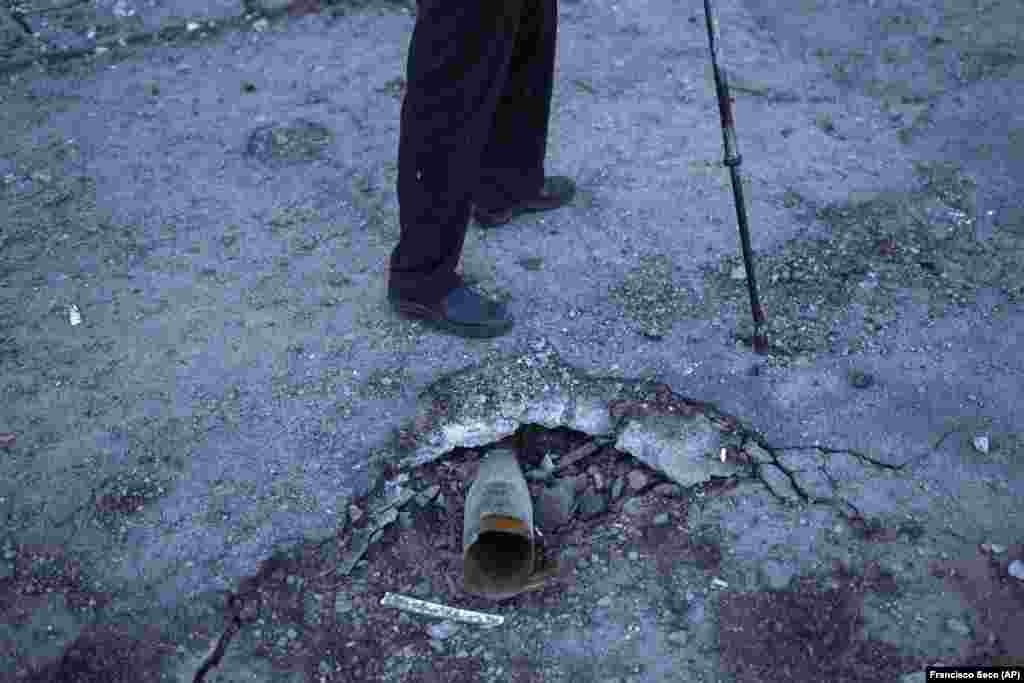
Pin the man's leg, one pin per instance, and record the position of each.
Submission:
(458, 62)
(512, 166)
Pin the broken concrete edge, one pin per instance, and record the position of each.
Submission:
(689, 441)
(488, 402)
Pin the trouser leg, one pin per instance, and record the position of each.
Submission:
(458, 62)
(512, 165)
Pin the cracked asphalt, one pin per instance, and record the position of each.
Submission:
(219, 448)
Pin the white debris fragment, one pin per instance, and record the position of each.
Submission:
(718, 583)
(1016, 569)
(722, 455)
(74, 315)
(981, 443)
(260, 25)
(191, 26)
(432, 609)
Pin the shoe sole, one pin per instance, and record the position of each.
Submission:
(434, 319)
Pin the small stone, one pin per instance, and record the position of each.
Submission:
(678, 637)
(292, 634)
(661, 519)
(555, 504)
(606, 601)
(592, 504)
(1016, 570)
(443, 630)
(957, 626)
(669, 490)
(428, 494)
(637, 480)
(342, 604)
(861, 379)
(311, 607)
(633, 507)
(981, 443)
(775, 575)
(634, 555)
(617, 487)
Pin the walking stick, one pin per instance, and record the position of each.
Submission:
(733, 160)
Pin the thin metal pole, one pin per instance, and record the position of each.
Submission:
(733, 161)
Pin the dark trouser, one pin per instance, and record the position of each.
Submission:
(474, 128)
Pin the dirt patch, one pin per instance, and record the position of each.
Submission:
(892, 250)
(110, 654)
(998, 600)
(809, 632)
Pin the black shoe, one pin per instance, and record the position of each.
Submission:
(462, 312)
(556, 192)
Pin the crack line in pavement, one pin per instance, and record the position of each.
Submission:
(241, 609)
(215, 657)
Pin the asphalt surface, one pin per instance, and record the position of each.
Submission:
(201, 371)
